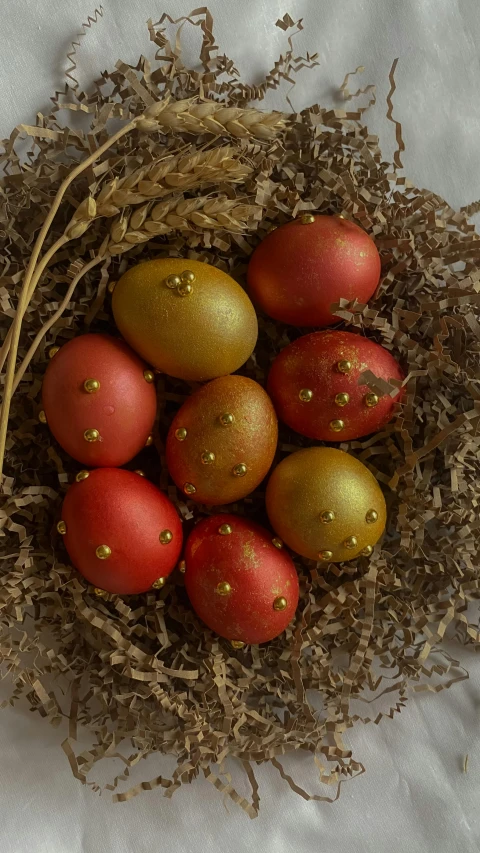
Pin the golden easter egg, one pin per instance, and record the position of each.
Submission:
(222, 441)
(186, 318)
(326, 505)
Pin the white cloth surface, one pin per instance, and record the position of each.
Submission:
(415, 796)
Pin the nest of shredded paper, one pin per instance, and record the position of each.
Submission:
(200, 174)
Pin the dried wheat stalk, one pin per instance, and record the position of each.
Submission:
(187, 116)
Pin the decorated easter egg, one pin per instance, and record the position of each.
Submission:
(99, 400)
(326, 505)
(222, 441)
(189, 319)
(317, 387)
(240, 580)
(299, 270)
(121, 532)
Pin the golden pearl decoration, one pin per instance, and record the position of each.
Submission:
(344, 366)
(227, 419)
(140, 472)
(181, 434)
(367, 551)
(237, 644)
(149, 376)
(325, 555)
(371, 516)
(165, 537)
(42, 417)
(185, 290)
(91, 386)
(82, 475)
(91, 435)
(342, 399)
(62, 528)
(158, 583)
(189, 489)
(225, 529)
(111, 286)
(103, 552)
(240, 470)
(280, 603)
(305, 395)
(327, 516)
(99, 592)
(173, 281)
(351, 542)
(307, 219)
(208, 458)
(182, 567)
(277, 542)
(336, 425)
(187, 277)
(149, 441)
(224, 588)
(53, 351)
(371, 400)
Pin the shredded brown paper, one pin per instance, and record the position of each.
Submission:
(200, 173)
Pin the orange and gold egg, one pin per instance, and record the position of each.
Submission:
(326, 505)
(187, 318)
(222, 441)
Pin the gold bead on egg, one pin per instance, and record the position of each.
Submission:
(189, 489)
(342, 399)
(344, 366)
(149, 441)
(103, 552)
(158, 583)
(111, 286)
(305, 395)
(187, 277)
(237, 644)
(173, 281)
(325, 555)
(225, 529)
(91, 385)
(371, 400)
(181, 434)
(42, 417)
(62, 528)
(280, 603)
(371, 516)
(165, 537)
(223, 588)
(99, 592)
(277, 542)
(208, 458)
(139, 472)
(367, 551)
(239, 470)
(82, 475)
(336, 425)
(351, 542)
(185, 289)
(227, 419)
(182, 567)
(149, 376)
(53, 351)
(327, 516)
(91, 435)
(307, 218)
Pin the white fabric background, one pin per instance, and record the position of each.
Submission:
(414, 796)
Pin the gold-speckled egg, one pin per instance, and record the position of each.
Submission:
(222, 441)
(326, 505)
(186, 318)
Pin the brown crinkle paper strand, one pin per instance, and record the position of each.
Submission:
(204, 175)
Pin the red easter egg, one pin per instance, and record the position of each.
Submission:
(314, 385)
(222, 441)
(99, 400)
(301, 268)
(240, 580)
(121, 532)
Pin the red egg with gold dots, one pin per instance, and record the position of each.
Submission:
(222, 441)
(240, 580)
(121, 532)
(99, 400)
(317, 387)
(299, 270)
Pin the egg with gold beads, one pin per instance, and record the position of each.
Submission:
(121, 532)
(240, 579)
(326, 505)
(222, 441)
(99, 400)
(300, 269)
(316, 386)
(188, 319)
